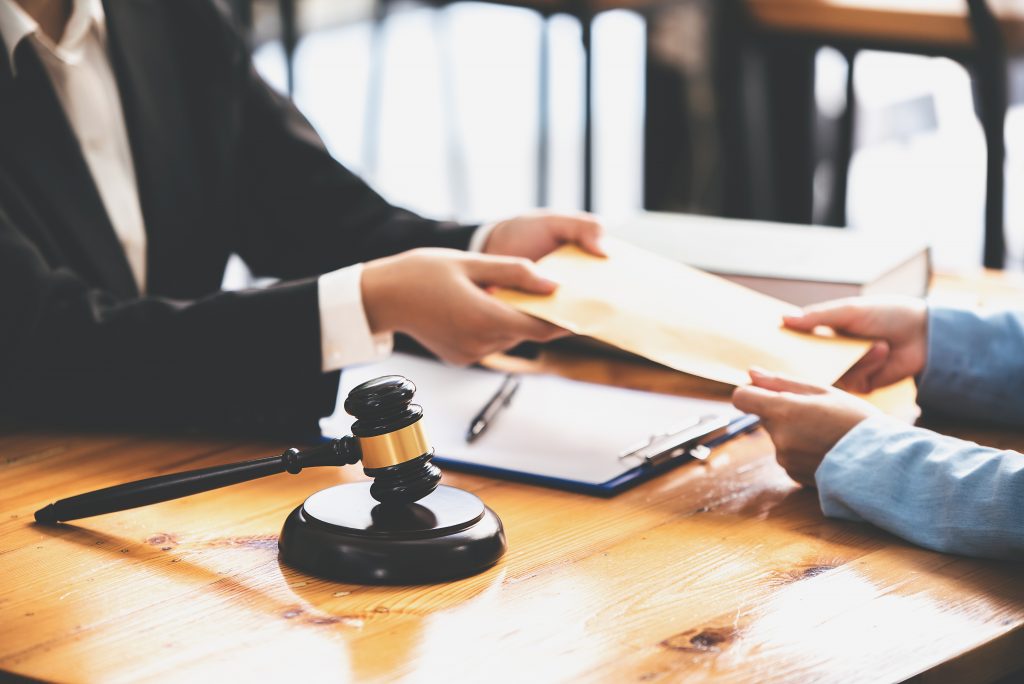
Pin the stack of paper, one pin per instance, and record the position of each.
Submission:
(681, 317)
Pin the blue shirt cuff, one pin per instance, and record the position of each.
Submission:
(844, 467)
(939, 492)
(975, 365)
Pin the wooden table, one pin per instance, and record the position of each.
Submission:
(724, 571)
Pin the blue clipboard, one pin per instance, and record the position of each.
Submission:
(627, 480)
(600, 413)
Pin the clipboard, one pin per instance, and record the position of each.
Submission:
(636, 475)
(576, 436)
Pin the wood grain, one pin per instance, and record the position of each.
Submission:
(721, 571)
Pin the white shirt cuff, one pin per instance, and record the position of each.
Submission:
(345, 335)
(480, 235)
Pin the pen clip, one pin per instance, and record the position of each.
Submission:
(686, 440)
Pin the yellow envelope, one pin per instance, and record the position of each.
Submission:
(681, 317)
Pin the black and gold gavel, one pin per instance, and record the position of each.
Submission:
(401, 528)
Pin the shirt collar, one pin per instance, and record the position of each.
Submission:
(16, 25)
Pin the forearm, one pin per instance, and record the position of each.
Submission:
(939, 492)
(238, 361)
(975, 366)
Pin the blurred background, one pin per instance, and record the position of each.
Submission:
(890, 116)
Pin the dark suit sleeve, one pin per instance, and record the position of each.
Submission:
(300, 212)
(246, 362)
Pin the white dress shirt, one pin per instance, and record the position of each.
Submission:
(81, 73)
(84, 82)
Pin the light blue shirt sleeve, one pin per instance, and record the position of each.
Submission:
(939, 492)
(975, 366)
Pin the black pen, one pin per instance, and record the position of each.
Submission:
(493, 407)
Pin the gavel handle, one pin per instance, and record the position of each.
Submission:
(153, 490)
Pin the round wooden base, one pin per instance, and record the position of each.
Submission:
(342, 533)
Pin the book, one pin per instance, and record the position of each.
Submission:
(798, 264)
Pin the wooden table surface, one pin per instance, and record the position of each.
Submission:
(722, 571)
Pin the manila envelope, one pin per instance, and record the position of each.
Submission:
(681, 317)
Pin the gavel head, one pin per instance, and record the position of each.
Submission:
(395, 452)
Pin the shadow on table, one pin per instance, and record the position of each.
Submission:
(318, 597)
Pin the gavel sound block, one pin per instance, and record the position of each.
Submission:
(403, 528)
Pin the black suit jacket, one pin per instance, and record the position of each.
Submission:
(223, 165)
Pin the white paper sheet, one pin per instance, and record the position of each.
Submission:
(553, 427)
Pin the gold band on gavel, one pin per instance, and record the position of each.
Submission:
(394, 447)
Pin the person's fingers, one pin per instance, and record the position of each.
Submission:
(840, 315)
(781, 383)
(887, 375)
(506, 326)
(587, 234)
(516, 327)
(756, 400)
(512, 272)
(536, 330)
(568, 220)
(582, 229)
(794, 467)
(859, 377)
(590, 240)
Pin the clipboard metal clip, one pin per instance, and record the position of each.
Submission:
(688, 439)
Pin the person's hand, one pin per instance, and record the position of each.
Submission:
(437, 296)
(899, 326)
(534, 235)
(804, 421)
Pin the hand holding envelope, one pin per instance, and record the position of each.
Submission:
(681, 317)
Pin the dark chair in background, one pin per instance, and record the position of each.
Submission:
(583, 11)
(789, 32)
(775, 182)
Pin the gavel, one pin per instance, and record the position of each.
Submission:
(387, 437)
(415, 532)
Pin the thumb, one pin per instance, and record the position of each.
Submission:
(583, 229)
(839, 315)
(888, 375)
(760, 402)
(511, 272)
(859, 377)
(781, 383)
